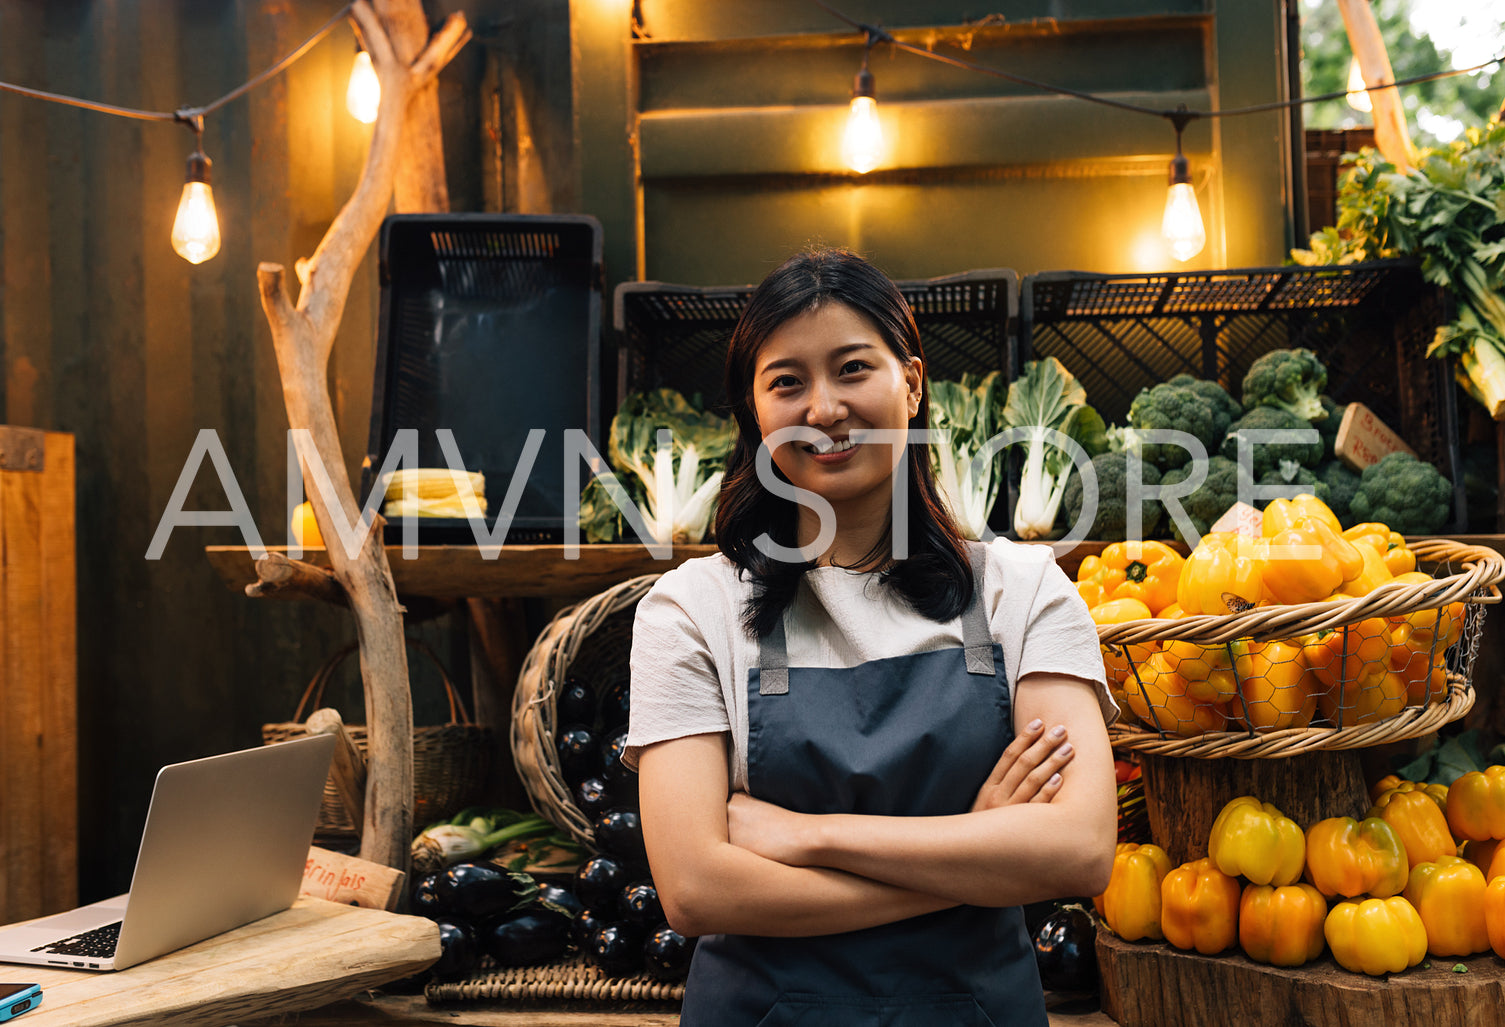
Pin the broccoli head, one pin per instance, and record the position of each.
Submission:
(1342, 484)
(1267, 456)
(1218, 491)
(1180, 408)
(1296, 480)
(1408, 494)
(1110, 524)
(1328, 426)
(1290, 379)
(1214, 392)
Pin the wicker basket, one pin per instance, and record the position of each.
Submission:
(573, 980)
(450, 761)
(591, 640)
(1462, 573)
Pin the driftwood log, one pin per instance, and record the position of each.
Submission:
(303, 335)
(1390, 134)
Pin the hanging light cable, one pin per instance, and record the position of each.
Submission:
(1182, 224)
(195, 231)
(363, 95)
(862, 144)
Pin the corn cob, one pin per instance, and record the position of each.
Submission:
(433, 483)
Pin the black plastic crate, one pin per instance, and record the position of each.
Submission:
(1370, 324)
(675, 336)
(490, 326)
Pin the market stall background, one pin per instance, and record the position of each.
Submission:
(706, 147)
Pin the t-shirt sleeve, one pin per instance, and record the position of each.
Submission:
(675, 690)
(1059, 635)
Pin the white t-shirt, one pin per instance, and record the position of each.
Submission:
(691, 655)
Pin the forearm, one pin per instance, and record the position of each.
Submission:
(738, 892)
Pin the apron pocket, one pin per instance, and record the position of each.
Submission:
(804, 1010)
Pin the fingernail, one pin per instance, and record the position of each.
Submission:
(1035, 725)
(1055, 779)
(1064, 750)
(1059, 731)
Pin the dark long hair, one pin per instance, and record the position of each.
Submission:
(936, 578)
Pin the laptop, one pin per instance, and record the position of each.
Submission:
(226, 842)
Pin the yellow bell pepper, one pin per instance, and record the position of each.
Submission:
(1494, 914)
(1348, 858)
(1476, 804)
(1391, 545)
(1172, 611)
(1438, 793)
(1423, 672)
(1308, 562)
(1157, 695)
(1283, 514)
(1374, 574)
(1199, 907)
(1146, 571)
(1431, 629)
(1488, 855)
(1376, 936)
(1274, 685)
(1449, 895)
(1282, 926)
(1255, 840)
(1384, 784)
(1131, 904)
(1224, 574)
(1372, 698)
(1421, 824)
(1354, 655)
(1117, 659)
(1207, 670)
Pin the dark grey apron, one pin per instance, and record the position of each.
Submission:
(907, 736)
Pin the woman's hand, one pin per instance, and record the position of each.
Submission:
(769, 831)
(1029, 769)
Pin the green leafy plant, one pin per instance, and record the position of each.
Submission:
(971, 411)
(1046, 398)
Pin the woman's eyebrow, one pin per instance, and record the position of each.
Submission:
(840, 351)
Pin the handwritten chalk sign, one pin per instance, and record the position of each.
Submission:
(350, 880)
(1363, 439)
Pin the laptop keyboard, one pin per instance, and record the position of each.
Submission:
(98, 943)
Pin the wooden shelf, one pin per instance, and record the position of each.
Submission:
(462, 572)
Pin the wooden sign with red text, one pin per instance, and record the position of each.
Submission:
(350, 880)
(1363, 439)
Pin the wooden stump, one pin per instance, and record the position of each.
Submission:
(1154, 985)
(1184, 795)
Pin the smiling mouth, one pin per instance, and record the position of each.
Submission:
(828, 446)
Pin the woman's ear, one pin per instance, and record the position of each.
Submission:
(914, 378)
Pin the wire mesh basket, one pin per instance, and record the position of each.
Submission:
(1279, 680)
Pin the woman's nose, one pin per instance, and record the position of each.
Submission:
(825, 406)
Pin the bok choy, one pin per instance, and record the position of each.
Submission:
(971, 410)
(1047, 398)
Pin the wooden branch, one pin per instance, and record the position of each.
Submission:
(1368, 46)
(303, 336)
(348, 767)
(420, 186)
(277, 576)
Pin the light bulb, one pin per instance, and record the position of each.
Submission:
(1182, 224)
(363, 95)
(195, 231)
(1358, 99)
(862, 145)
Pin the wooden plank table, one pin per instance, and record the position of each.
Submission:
(313, 954)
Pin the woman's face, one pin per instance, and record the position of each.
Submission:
(830, 369)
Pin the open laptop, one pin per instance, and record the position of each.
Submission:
(226, 842)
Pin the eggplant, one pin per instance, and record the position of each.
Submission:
(617, 948)
(585, 924)
(579, 754)
(599, 881)
(612, 767)
(615, 705)
(575, 703)
(619, 832)
(593, 796)
(527, 937)
(424, 899)
(458, 952)
(639, 903)
(666, 954)
(481, 891)
(560, 896)
(1066, 950)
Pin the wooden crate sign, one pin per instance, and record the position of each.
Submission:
(1363, 439)
(336, 877)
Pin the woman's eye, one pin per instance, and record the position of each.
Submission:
(854, 366)
(783, 381)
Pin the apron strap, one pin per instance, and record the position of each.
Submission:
(976, 638)
(773, 661)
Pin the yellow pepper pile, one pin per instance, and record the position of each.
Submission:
(1354, 674)
(1389, 908)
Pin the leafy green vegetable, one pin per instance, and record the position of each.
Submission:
(1046, 397)
(1110, 523)
(1408, 494)
(1290, 380)
(1451, 758)
(971, 410)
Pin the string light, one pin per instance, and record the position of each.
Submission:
(363, 95)
(1182, 223)
(1358, 95)
(195, 231)
(862, 143)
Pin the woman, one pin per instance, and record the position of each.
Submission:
(855, 694)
